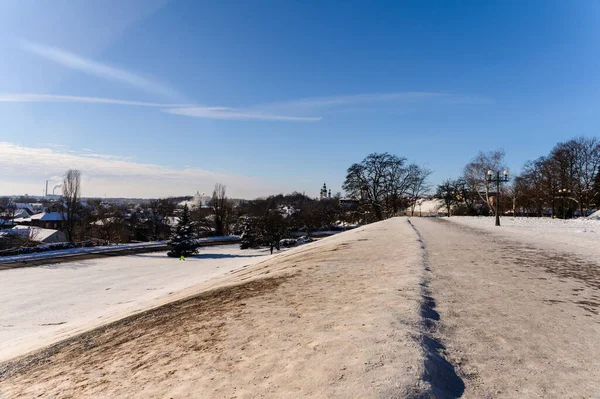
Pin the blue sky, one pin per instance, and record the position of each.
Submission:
(156, 98)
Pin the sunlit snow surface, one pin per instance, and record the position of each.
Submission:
(580, 236)
(37, 303)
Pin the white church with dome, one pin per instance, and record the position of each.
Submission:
(325, 193)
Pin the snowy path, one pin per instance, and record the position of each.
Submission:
(517, 320)
(39, 305)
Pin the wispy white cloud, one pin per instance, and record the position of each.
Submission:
(177, 109)
(336, 101)
(303, 110)
(232, 113)
(74, 61)
(34, 97)
(25, 169)
(107, 157)
(401, 99)
(307, 109)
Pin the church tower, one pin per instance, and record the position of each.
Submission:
(323, 193)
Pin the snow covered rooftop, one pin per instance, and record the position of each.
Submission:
(37, 233)
(48, 216)
(104, 221)
(21, 205)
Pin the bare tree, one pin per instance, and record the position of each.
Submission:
(9, 210)
(221, 209)
(385, 184)
(397, 180)
(585, 154)
(33, 234)
(375, 180)
(596, 189)
(476, 171)
(449, 192)
(273, 228)
(159, 211)
(567, 178)
(533, 186)
(110, 224)
(418, 184)
(71, 189)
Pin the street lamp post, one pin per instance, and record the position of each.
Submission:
(498, 180)
(564, 193)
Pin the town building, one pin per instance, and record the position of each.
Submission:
(324, 194)
(48, 220)
(38, 234)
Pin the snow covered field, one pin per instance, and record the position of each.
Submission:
(580, 236)
(39, 304)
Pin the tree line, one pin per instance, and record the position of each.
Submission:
(564, 183)
(567, 179)
(259, 222)
(380, 186)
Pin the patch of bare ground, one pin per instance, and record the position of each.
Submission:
(336, 318)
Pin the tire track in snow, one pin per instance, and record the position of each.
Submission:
(438, 372)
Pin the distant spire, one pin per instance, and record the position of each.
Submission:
(323, 193)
